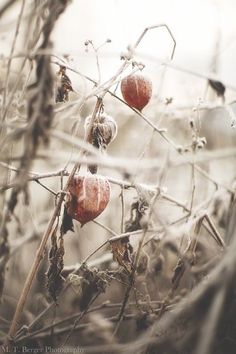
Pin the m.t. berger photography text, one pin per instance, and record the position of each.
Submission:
(46, 349)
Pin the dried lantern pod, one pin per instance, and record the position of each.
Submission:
(104, 130)
(88, 197)
(136, 90)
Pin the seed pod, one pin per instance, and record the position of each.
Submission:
(89, 196)
(104, 130)
(136, 90)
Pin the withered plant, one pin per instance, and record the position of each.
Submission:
(99, 252)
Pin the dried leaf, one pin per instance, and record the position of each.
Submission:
(93, 169)
(218, 87)
(178, 273)
(56, 264)
(76, 281)
(64, 86)
(122, 251)
(138, 210)
(13, 201)
(93, 282)
(4, 255)
(67, 223)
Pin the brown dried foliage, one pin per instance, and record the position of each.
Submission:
(39, 118)
(93, 282)
(103, 132)
(122, 253)
(56, 264)
(64, 86)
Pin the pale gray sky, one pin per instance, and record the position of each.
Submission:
(194, 23)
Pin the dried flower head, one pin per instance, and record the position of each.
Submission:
(104, 130)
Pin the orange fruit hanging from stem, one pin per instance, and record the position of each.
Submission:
(136, 90)
(88, 197)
